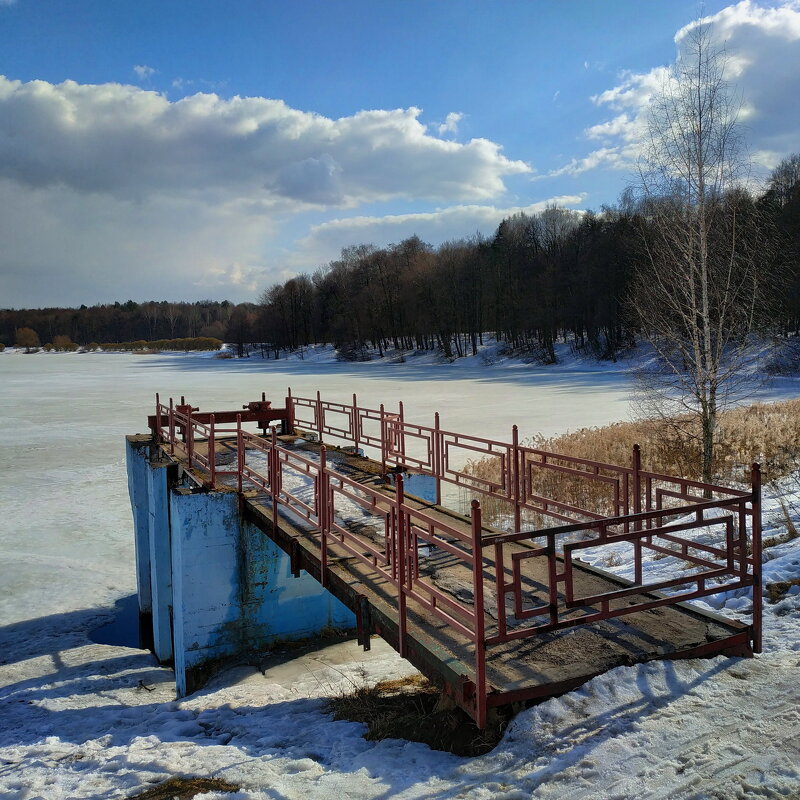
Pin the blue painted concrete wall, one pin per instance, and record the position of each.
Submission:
(204, 532)
(137, 453)
(217, 586)
(276, 604)
(232, 588)
(160, 559)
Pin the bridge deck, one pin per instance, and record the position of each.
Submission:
(539, 666)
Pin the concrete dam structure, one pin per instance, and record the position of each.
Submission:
(268, 524)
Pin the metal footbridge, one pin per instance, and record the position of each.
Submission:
(495, 614)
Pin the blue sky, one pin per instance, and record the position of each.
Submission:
(182, 150)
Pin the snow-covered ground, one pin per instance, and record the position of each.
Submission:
(82, 720)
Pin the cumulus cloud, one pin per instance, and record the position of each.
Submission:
(131, 143)
(325, 241)
(762, 45)
(113, 191)
(450, 124)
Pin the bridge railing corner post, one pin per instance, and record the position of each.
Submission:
(437, 457)
(479, 611)
(402, 557)
(320, 416)
(755, 479)
(156, 431)
(383, 441)
(322, 513)
(515, 478)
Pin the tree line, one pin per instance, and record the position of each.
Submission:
(121, 323)
(559, 274)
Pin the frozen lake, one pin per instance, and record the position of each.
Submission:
(64, 513)
(84, 720)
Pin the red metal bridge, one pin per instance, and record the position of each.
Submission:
(493, 616)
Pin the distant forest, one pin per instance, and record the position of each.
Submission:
(559, 274)
(123, 322)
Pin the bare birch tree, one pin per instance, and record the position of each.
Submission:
(698, 289)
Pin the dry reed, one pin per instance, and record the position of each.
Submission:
(768, 433)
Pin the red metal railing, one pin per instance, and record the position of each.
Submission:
(652, 513)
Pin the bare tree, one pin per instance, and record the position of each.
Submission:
(151, 311)
(699, 284)
(173, 313)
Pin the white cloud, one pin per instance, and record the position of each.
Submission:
(634, 91)
(622, 126)
(619, 158)
(762, 45)
(325, 241)
(130, 143)
(65, 247)
(112, 191)
(143, 72)
(247, 277)
(450, 124)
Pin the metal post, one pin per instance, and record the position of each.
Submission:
(157, 430)
(637, 509)
(274, 477)
(171, 427)
(383, 443)
(515, 476)
(402, 434)
(480, 637)
(239, 452)
(437, 457)
(355, 424)
(289, 421)
(322, 513)
(500, 579)
(319, 416)
(189, 435)
(400, 538)
(755, 478)
(212, 453)
(637, 480)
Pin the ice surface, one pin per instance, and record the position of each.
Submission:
(82, 720)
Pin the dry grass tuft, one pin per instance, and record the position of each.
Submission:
(412, 708)
(184, 789)
(778, 589)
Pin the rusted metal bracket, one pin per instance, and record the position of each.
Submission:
(363, 621)
(294, 558)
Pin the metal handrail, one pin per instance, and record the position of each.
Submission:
(405, 525)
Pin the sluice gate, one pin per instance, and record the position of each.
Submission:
(493, 615)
